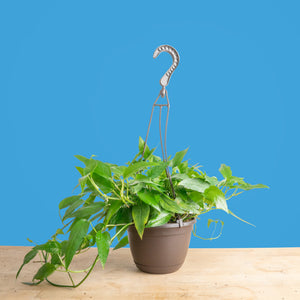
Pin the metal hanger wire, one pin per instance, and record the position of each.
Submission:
(163, 93)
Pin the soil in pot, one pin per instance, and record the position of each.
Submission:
(163, 248)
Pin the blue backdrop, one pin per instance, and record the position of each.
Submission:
(79, 78)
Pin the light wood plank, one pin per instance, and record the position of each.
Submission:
(259, 273)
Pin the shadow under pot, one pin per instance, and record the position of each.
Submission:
(163, 248)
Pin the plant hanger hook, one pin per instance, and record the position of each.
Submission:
(164, 81)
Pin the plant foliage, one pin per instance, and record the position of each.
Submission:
(138, 194)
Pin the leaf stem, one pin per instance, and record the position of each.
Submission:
(78, 284)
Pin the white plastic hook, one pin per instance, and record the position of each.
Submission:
(166, 77)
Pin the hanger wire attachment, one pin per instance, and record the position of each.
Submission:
(164, 81)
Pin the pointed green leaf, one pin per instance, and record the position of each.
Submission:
(197, 197)
(122, 216)
(216, 197)
(102, 169)
(82, 182)
(90, 164)
(80, 170)
(123, 242)
(103, 244)
(28, 257)
(183, 167)
(72, 207)
(140, 214)
(247, 186)
(50, 247)
(85, 160)
(157, 170)
(77, 234)
(158, 219)
(136, 167)
(169, 204)
(68, 201)
(141, 144)
(179, 176)
(55, 260)
(117, 170)
(195, 184)
(211, 180)
(177, 159)
(147, 152)
(87, 211)
(188, 205)
(105, 184)
(225, 171)
(44, 271)
(149, 198)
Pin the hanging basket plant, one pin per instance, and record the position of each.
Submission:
(157, 200)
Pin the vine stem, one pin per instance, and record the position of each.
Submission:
(78, 284)
(97, 188)
(120, 231)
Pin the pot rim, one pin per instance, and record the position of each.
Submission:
(171, 225)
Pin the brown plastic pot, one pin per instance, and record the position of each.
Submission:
(163, 248)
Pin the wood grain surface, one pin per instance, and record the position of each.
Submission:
(258, 273)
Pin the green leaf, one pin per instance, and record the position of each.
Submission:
(117, 170)
(195, 184)
(141, 144)
(102, 169)
(157, 170)
(68, 201)
(77, 234)
(90, 164)
(55, 260)
(123, 216)
(147, 152)
(183, 167)
(28, 257)
(123, 242)
(70, 210)
(177, 159)
(80, 170)
(216, 197)
(247, 186)
(168, 204)
(136, 167)
(105, 184)
(44, 271)
(52, 247)
(149, 198)
(85, 160)
(179, 176)
(103, 244)
(115, 205)
(140, 214)
(225, 171)
(188, 205)
(87, 211)
(197, 197)
(211, 180)
(159, 218)
(82, 182)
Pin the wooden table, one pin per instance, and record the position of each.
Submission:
(260, 273)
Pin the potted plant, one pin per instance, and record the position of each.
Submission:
(138, 198)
